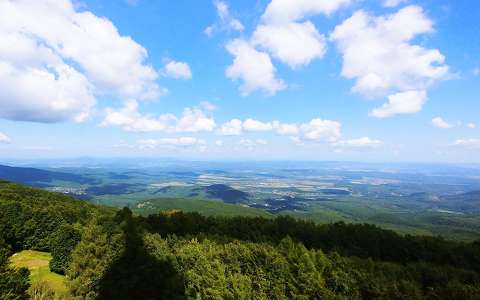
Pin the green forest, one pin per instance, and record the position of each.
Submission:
(107, 253)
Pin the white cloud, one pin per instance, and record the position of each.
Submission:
(41, 95)
(226, 20)
(285, 129)
(468, 143)
(236, 25)
(289, 40)
(195, 120)
(392, 3)
(441, 123)
(254, 125)
(315, 130)
(130, 119)
(358, 144)
(207, 106)
(476, 71)
(172, 142)
(378, 54)
(282, 35)
(4, 139)
(321, 130)
(232, 127)
(219, 143)
(401, 103)
(295, 44)
(253, 67)
(177, 70)
(472, 125)
(209, 30)
(238, 127)
(222, 9)
(329, 132)
(51, 70)
(283, 11)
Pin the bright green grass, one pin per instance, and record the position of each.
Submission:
(204, 207)
(37, 262)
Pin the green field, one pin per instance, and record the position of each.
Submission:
(37, 262)
(204, 207)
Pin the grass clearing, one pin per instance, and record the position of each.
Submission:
(37, 262)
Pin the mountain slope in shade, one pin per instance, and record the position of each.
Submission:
(38, 177)
(226, 193)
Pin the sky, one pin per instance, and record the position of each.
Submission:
(363, 80)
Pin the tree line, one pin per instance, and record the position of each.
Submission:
(114, 254)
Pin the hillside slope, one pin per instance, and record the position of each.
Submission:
(204, 207)
(114, 254)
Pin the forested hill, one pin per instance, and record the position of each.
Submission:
(113, 254)
(38, 177)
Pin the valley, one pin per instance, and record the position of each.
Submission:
(411, 199)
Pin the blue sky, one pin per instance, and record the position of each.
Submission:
(367, 80)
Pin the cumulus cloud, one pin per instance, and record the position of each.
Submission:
(4, 139)
(392, 3)
(226, 20)
(284, 35)
(232, 127)
(315, 131)
(51, 70)
(378, 54)
(177, 70)
(330, 133)
(401, 103)
(285, 128)
(320, 130)
(238, 127)
(283, 11)
(468, 143)
(195, 120)
(255, 125)
(472, 125)
(441, 123)
(130, 119)
(295, 44)
(254, 68)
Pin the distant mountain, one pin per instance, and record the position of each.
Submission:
(466, 202)
(226, 193)
(424, 197)
(39, 177)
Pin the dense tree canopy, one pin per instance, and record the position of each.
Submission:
(109, 254)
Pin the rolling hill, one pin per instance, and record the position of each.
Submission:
(38, 177)
(204, 207)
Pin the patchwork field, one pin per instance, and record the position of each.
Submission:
(409, 198)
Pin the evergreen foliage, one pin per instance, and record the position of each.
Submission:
(110, 254)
